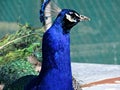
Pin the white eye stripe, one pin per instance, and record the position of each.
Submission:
(74, 14)
(68, 17)
(77, 15)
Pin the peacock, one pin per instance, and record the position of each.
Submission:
(56, 64)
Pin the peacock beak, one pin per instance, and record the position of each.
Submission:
(84, 18)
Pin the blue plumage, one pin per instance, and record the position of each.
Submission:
(56, 65)
(43, 6)
(56, 68)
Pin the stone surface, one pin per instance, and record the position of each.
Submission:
(89, 73)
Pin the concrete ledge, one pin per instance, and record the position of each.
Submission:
(95, 74)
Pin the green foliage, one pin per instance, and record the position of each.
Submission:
(14, 50)
(14, 70)
(25, 41)
(1, 58)
(14, 55)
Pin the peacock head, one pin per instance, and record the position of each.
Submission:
(70, 18)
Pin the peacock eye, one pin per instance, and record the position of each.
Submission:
(73, 15)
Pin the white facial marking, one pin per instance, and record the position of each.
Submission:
(77, 15)
(68, 17)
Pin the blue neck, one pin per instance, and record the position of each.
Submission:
(56, 66)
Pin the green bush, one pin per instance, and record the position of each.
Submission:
(15, 70)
